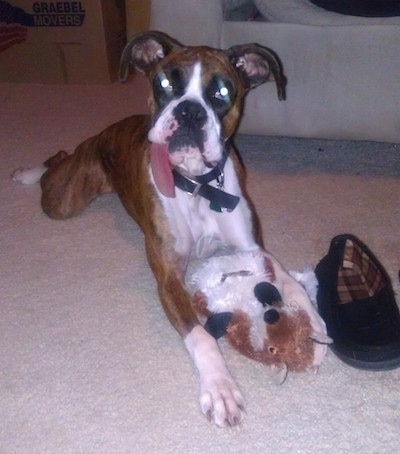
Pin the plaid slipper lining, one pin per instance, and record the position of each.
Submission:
(358, 277)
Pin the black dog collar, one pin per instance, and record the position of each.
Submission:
(198, 185)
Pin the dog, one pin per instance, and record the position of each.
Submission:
(178, 176)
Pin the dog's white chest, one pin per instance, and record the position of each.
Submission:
(200, 230)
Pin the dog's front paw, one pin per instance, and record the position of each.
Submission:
(221, 401)
(220, 398)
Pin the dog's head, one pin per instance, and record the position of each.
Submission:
(197, 93)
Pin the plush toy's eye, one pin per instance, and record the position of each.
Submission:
(271, 316)
(272, 350)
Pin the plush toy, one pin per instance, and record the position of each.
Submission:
(235, 296)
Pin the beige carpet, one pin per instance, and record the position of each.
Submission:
(89, 363)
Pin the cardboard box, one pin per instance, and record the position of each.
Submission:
(61, 41)
(137, 16)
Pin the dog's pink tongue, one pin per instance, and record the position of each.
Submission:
(161, 169)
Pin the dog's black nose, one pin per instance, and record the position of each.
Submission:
(190, 113)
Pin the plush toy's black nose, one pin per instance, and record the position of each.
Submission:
(271, 317)
(190, 113)
(267, 293)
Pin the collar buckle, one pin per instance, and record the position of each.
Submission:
(192, 179)
(199, 185)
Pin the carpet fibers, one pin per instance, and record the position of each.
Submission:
(89, 363)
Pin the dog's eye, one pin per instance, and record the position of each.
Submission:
(163, 84)
(221, 95)
(168, 85)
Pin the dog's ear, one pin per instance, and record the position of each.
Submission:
(255, 63)
(144, 51)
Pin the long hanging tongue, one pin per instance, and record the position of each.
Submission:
(161, 169)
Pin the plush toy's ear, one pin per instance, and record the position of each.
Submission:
(217, 324)
(255, 63)
(267, 294)
(144, 51)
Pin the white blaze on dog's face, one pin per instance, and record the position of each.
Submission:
(189, 110)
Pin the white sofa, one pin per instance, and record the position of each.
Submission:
(343, 72)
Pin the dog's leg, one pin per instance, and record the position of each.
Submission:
(72, 182)
(220, 398)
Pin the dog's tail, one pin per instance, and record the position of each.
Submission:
(33, 175)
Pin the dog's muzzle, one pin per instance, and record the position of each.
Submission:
(191, 118)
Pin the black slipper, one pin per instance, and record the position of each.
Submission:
(356, 300)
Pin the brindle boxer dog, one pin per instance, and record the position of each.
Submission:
(178, 176)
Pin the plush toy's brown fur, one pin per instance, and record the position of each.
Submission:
(287, 344)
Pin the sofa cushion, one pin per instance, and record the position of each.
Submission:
(342, 81)
(305, 12)
(239, 10)
(370, 8)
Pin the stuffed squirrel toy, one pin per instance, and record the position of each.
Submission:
(234, 297)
